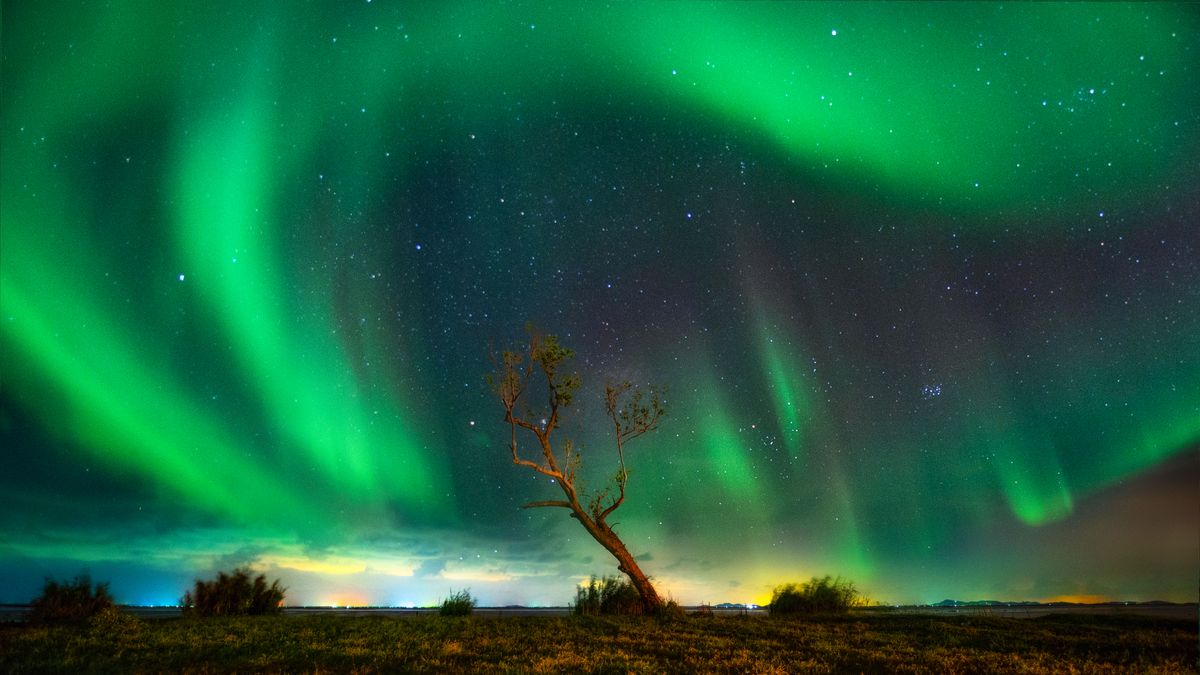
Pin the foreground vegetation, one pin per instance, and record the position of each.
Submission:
(70, 601)
(238, 593)
(118, 643)
(460, 603)
(819, 595)
(612, 596)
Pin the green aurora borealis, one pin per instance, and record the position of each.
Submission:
(923, 280)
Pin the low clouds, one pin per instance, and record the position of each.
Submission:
(430, 568)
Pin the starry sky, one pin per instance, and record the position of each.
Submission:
(923, 280)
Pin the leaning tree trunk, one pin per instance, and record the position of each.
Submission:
(650, 600)
(607, 538)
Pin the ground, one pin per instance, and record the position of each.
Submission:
(120, 643)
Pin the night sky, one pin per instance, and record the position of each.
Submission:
(923, 280)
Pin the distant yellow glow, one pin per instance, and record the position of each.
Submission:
(346, 600)
(1080, 598)
(338, 563)
(326, 566)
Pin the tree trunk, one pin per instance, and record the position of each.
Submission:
(629, 566)
(607, 538)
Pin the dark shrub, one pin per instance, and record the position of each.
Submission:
(75, 600)
(671, 612)
(610, 595)
(825, 595)
(459, 603)
(704, 611)
(112, 621)
(234, 594)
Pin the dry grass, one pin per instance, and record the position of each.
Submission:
(853, 643)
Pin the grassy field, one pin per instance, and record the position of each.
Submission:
(855, 643)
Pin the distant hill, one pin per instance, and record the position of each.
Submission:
(982, 603)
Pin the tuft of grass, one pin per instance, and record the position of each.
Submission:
(70, 601)
(819, 595)
(460, 603)
(233, 594)
(609, 596)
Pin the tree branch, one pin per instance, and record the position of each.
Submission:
(547, 502)
(636, 417)
(538, 468)
(622, 477)
(551, 470)
(630, 434)
(524, 424)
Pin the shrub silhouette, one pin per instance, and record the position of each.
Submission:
(609, 595)
(234, 594)
(74, 600)
(670, 612)
(824, 595)
(459, 603)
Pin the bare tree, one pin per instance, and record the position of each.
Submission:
(632, 411)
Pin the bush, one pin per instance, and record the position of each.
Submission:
(459, 603)
(112, 621)
(825, 595)
(671, 612)
(610, 595)
(234, 594)
(75, 600)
